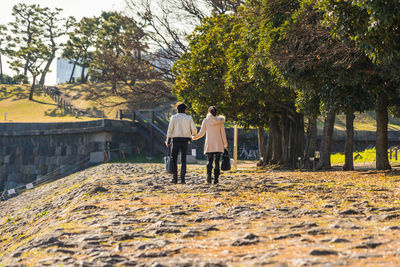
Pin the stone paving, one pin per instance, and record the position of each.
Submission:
(130, 215)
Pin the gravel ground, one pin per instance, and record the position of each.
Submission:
(131, 215)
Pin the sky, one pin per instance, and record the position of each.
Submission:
(76, 8)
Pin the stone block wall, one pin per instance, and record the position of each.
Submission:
(29, 151)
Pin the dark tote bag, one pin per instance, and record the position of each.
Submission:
(168, 161)
(226, 161)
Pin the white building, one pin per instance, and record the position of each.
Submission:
(64, 70)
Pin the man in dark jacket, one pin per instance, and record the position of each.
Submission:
(180, 129)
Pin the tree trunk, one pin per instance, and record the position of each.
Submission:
(45, 71)
(83, 75)
(325, 151)
(261, 145)
(311, 142)
(1, 71)
(348, 152)
(29, 40)
(382, 160)
(276, 141)
(114, 86)
(73, 71)
(286, 132)
(297, 140)
(268, 155)
(32, 88)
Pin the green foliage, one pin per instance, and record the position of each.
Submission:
(31, 39)
(42, 213)
(200, 71)
(16, 79)
(221, 69)
(54, 27)
(26, 47)
(373, 25)
(253, 83)
(326, 73)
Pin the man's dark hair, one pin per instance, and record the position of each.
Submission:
(182, 108)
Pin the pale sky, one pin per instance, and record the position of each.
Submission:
(76, 8)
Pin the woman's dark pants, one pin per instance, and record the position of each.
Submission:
(214, 156)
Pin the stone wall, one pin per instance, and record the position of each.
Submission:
(362, 140)
(29, 151)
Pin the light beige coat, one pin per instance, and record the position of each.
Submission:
(214, 129)
(181, 125)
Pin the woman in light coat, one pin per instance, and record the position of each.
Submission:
(215, 144)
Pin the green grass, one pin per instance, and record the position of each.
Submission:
(368, 155)
(42, 213)
(14, 101)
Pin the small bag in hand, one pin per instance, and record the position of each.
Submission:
(226, 161)
(168, 161)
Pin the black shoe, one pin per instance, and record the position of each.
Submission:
(209, 179)
(216, 176)
(183, 180)
(174, 179)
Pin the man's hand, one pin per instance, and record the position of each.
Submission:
(166, 144)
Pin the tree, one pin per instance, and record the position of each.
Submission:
(26, 46)
(25, 31)
(119, 48)
(200, 71)
(81, 44)
(323, 69)
(373, 26)
(35, 55)
(54, 28)
(2, 41)
(162, 22)
(220, 56)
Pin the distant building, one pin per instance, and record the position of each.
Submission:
(64, 70)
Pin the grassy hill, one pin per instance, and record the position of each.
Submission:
(94, 98)
(98, 99)
(14, 101)
(364, 122)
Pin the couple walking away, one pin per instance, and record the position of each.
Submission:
(181, 130)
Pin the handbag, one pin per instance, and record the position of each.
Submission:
(168, 161)
(226, 161)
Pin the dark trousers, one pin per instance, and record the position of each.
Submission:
(177, 146)
(211, 157)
